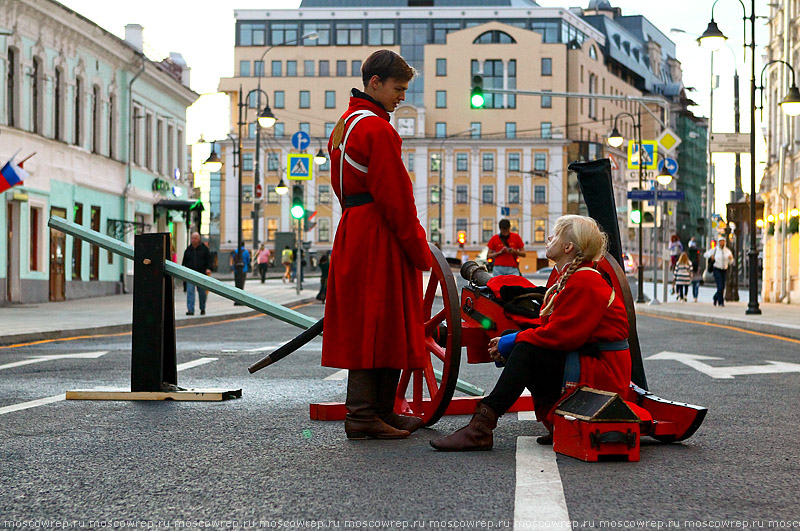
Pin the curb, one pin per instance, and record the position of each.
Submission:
(786, 331)
(126, 328)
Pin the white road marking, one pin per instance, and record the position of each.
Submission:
(63, 396)
(694, 361)
(52, 357)
(526, 415)
(539, 498)
(312, 347)
(338, 375)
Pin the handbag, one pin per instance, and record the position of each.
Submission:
(710, 265)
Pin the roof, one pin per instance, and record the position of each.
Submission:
(417, 3)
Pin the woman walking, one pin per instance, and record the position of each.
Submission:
(682, 276)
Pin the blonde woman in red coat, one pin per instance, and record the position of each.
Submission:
(373, 313)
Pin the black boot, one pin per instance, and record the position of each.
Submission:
(386, 392)
(361, 420)
(475, 436)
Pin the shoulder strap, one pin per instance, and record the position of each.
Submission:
(354, 119)
(606, 278)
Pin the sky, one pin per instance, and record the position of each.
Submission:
(203, 32)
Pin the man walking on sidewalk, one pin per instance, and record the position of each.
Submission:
(197, 257)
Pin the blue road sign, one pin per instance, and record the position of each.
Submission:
(505, 211)
(649, 195)
(671, 195)
(299, 166)
(301, 140)
(641, 195)
(672, 166)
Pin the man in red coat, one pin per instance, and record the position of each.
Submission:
(505, 249)
(373, 314)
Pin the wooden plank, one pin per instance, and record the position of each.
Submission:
(211, 284)
(195, 395)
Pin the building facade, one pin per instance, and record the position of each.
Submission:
(107, 127)
(470, 167)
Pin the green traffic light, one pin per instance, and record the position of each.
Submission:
(477, 100)
(297, 211)
(636, 217)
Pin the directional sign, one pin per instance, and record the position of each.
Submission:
(649, 157)
(641, 195)
(299, 166)
(730, 142)
(671, 164)
(696, 361)
(301, 140)
(52, 357)
(649, 195)
(505, 211)
(671, 195)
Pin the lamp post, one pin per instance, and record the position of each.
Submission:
(714, 38)
(664, 178)
(615, 140)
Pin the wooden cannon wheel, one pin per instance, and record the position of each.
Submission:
(430, 398)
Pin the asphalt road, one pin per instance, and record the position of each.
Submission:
(260, 460)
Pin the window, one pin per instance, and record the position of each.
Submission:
(247, 161)
(441, 29)
(12, 67)
(349, 34)
(112, 126)
(94, 252)
(539, 194)
(441, 99)
(308, 68)
(160, 146)
(487, 194)
(77, 115)
(305, 99)
(273, 162)
(253, 34)
(244, 68)
(540, 161)
(380, 34)
(322, 29)
(341, 68)
(539, 230)
(77, 245)
(547, 101)
(324, 230)
(548, 30)
(355, 68)
(35, 215)
(513, 162)
(137, 136)
(511, 129)
(179, 141)
(283, 33)
(436, 161)
(435, 195)
(411, 162)
(279, 129)
(593, 52)
(291, 68)
(58, 94)
(251, 130)
(247, 224)
(441, 67)
(462, 194)
(547, 130)
(148, 141)
(434, 232)
(330, 99)
(462, 224)
(497, 76)
(488, 162)
(494, 37)
(513, 194)
(441, 129)
(592, 101)
(324, 194)
(36, 96)
(475, 129)
(272, 229)
(258, 68)
(547, 66)
(487, 229)
(278, 99)
(272, 195)
(305, 127)
(329, 129)
(462, 162)
(252, 99)
(277, 69)
(324, 68)
(94, 139)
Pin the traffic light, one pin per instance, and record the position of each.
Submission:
(298, 209)
(634, 213)
(476, 98)
(701, 226)
(462, 238)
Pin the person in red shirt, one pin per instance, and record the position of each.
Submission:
(581, 312)
(505, 249)
(373, 312)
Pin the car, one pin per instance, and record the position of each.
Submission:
(628, 265)
(482, 259)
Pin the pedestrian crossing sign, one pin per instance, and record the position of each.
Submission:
(299, 166)
(649, 155)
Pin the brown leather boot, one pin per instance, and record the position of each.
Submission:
(475, 436)
(361, 420)
(386, 391)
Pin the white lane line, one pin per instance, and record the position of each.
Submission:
(312, 347)
(63, 396)
(539, 499)
(526, 415)
(52, 357)
(338, 375)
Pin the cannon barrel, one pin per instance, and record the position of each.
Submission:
(284, 350)
(475, 273)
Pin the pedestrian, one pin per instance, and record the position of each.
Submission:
(720, 258)
(373, 312)
(682, 276)
(697, 272)
(262, 258)
(245, 259)
(324, 264)
(286, 260)
(675, 249)
(196, 257)
(505, 249)
(692, 243)
(581, 316)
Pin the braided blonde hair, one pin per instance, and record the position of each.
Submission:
(589, 241)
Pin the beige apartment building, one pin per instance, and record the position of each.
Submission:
(469, 167)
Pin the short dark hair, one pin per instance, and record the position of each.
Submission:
(505, 224)
(386, 64)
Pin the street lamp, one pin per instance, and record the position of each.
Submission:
(790, 104)
(212, 164)
(615, 140)
(664, 178)
(281, 189)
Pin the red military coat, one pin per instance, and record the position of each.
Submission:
(373, 309)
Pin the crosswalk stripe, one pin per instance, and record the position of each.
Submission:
(338, 375)
(539, 497)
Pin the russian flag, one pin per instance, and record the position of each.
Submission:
(11, 175)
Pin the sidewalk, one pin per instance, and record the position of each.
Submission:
(105, 315)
